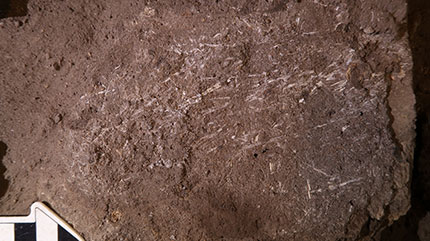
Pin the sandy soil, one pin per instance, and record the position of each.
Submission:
(209, 120)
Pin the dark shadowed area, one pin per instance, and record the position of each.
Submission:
(13, 8)
(406, 228)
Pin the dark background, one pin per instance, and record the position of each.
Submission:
(13, 8)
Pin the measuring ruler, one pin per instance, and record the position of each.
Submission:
(42, 224)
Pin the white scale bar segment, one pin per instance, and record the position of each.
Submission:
(7, 231)
(46, 228)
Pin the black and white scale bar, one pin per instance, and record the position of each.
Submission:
(41, 225)
(27, 232)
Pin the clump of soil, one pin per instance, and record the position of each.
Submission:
(195, 120)
(415, 225)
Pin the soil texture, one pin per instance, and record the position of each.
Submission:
(209, 120)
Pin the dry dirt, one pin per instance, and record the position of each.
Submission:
(415, 225)
(209, 120)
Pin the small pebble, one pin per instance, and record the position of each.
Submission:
(57, 118)
(18, 23)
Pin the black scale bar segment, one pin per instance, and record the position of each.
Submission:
(63, 235)
(25, 231)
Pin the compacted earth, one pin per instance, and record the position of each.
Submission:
(208, 120)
